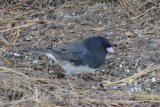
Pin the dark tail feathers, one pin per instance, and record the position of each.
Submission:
(36, 50)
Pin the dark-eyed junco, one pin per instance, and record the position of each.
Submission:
(84, 56)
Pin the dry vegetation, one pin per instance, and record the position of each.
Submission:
(130, 76)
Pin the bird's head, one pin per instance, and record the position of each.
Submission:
(99, 43)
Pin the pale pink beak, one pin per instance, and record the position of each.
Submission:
(110, 50)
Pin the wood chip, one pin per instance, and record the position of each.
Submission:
(130, 34)
(98, 28)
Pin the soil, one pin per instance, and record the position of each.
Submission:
(129, 77)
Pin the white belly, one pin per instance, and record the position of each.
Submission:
(70, 68)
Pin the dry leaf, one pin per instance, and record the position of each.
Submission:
(8, 62)
(130, 34)
(157, 27)
(98, 28)
(148, 32)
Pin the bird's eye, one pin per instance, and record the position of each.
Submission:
(104, 45)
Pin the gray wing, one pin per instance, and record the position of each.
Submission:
(75, 54)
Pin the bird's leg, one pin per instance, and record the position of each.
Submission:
(88, 76)
(71, 76)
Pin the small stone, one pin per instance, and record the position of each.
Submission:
(35, 61)
(153, 79)
(93, 87)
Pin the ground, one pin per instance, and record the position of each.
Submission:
(130, 76)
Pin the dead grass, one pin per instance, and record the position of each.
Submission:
(130, 76)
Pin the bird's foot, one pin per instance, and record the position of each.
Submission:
(69, 76)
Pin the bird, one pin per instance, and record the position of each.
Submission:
(79, 57)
